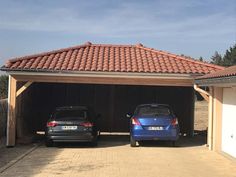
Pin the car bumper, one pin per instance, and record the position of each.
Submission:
(139, 135)
(86, 137)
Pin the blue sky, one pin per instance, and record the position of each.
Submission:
(191, 27)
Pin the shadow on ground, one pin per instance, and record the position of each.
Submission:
(106, 141)
(43, 158)
(199, 139)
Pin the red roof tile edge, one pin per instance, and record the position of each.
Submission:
(183, 58)
(111, 45)
(227, 72)
(139, 45)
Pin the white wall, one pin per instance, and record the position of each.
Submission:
(229, 121)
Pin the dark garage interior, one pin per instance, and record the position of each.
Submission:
(113, 102)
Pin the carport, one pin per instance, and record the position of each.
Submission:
(113, 79)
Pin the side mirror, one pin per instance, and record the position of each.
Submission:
(128, 116)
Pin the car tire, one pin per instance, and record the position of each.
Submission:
(133, 143)
(94, 143)
(49, 143)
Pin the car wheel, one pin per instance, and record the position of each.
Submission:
(133, 142)
(49, 143)
(94, 143)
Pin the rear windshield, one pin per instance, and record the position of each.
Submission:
(153, 111)
(71, 114)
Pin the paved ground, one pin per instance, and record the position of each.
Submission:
(8, 155)
(114, 157)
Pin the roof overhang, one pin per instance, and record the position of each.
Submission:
(116, 78)
(218, 82)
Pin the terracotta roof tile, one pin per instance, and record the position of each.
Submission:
(110, 58)
(227, 72)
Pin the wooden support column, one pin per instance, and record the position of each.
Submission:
(210, 120)
(11, 120)
(217, 118)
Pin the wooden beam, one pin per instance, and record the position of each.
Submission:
(210, 120)
(154, 81)
(23, 88)
(204, 96)
(203, 93)
(11, 120)
(217, 118)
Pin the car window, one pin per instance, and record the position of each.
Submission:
(78, 114)
(153, 111)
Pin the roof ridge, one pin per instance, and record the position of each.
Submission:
(114, 45)
(180, 57)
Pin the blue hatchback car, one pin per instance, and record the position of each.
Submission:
(153, 122)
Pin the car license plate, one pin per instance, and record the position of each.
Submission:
(69, 127)
(155, 128)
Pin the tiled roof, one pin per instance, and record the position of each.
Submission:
(230, 71)
(110, 58)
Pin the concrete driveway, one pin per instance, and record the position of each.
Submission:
(114, 157)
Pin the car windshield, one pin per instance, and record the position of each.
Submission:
(71, 114)
(153, 111)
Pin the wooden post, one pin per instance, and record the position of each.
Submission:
(217, 118)
(11, 120)
(210, 119)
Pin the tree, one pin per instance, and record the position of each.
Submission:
(230, 57)
(3, 86)
(200, 59)
(216, 59)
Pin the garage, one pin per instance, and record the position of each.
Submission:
(113, 79)
(228, 121)
(222, 108)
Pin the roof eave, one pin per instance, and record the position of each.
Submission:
(219, 81)
(100, 73)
